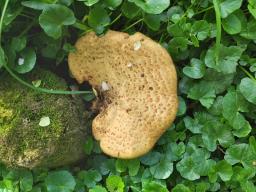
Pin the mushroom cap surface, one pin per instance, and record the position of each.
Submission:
(141, 93)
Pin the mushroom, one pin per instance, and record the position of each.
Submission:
(141, 98)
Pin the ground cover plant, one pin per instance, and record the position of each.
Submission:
(210, 147)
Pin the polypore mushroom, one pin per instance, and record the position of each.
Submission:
(139, 84)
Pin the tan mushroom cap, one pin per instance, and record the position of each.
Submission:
(141, 95)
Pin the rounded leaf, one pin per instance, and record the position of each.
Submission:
(60, 181)
(54, 17)
(152, 6)
(27, 61)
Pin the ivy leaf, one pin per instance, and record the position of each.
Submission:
(132, 166)
(38, 5)
(229, 6)
(228, 59)
(196, 70)
(222, 169)
(2, 57)
(151, 158)
(194, 165)
(162, 170)
(175, 151)
(152, 6)
(248, 31)
(204, 92)
(252, 9)
(60, 181)
(88, 146)
(248, 89)
(181, 188)
(182, 107)
(98, 19)
(233, 104)
(115, 183)
(201, 29)
(26, 62)
(90, 178)
(18, 43)
(232, 24)
(54, 18)
(130, 10)
(113, 3)
(153, 186)
(152, 21)
(26, 180)
(98, 189)
(213, 130)
(90, 3)
(240, 153)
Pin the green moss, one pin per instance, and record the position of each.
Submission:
(23, 141)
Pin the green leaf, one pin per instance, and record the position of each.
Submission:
(151, 158)
(18, 43)
(152, 6)
(130, 10)
(222, 169)
(162, 170)
(115, 184)
(90, 178)
(90, 3)
(240, 153)
(175, 151)
(233, 104)
(26, 181)
(113, 4)
(201, 29)
(193, 166)
(248, 89)
(232, 24)
(7, 186)
(26, 62)
(54, 17)
(153, 186)
(98, 189)
(60, 181)
(248, 31)
(252, 9)
(88, 146)
(132, 166)
(229, 6)
(212, 130)
(202, 187)
(196, 70)
(2, 57)
(228, 59)
(152, 21)
(98, 19)
(182, 107)
(38, 5)
(203, 92)
(181, 188)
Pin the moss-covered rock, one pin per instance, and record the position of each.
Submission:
(23, 143)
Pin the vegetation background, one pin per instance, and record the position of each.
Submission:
(211, 146)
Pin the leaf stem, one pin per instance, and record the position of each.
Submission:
(2, 18)
(247, 73)
(43, 90)
(116, 19)
(203, 10)
(135, 23)
(218, 35)
(27, 28)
